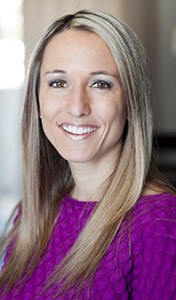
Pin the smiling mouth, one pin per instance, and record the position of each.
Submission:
(78, 132)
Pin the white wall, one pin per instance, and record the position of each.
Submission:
(10, 101)
(10, 153)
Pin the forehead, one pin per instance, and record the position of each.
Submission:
(79, 46)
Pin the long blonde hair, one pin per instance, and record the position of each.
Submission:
(45, 185)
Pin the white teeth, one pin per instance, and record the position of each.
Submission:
(78, 130)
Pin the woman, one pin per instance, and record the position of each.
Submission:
(96, 221)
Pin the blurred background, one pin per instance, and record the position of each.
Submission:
(22, 23)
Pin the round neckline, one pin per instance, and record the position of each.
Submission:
(73, 201)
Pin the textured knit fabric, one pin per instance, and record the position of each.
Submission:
(141, 266)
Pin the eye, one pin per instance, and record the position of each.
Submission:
(101, 84)
(59, 83)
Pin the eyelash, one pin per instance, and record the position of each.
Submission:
(100, 82)
(59, 83)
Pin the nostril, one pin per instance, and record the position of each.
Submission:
(79, 107)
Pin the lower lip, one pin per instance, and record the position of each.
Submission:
(78, 137)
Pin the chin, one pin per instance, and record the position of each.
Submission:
(78, 158)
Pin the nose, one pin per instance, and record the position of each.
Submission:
(78, 104)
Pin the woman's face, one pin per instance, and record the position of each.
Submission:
(81, 105)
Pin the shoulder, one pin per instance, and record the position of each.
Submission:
(153, 246)
(155, 208)
(154, 219)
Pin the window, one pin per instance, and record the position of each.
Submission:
(11, 44)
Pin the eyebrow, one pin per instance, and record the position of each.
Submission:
(91, 74)
(106, 73)
(55, 71)
(101, 73)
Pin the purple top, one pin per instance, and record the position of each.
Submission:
(143, 268)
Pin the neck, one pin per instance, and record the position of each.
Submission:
(91, 179)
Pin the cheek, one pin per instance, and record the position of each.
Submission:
(114, 112)
(48, 108)
(49, 128)
(47, 113)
